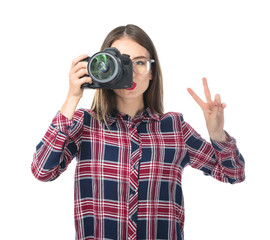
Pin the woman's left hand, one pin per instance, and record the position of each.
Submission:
(213, 112)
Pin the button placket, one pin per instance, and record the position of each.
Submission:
(134, 162)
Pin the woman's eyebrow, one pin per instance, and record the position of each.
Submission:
(139, 57)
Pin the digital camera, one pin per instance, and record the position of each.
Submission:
(109, 69)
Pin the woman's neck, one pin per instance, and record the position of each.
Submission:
(129, 106)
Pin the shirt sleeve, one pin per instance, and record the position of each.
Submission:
(58, 147)
(221, 160)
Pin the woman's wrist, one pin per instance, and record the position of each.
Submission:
(219, 137)
(69, 107)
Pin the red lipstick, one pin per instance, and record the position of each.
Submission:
(133, 86)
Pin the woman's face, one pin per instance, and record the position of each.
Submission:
(141, 82)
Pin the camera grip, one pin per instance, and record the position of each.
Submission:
(85, 85)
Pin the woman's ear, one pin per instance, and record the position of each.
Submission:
(151, 75)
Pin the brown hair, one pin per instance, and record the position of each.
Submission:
(104, 99)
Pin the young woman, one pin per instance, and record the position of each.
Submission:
(130, 155)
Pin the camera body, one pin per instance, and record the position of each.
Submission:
(109, 69)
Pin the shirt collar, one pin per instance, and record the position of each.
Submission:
(146, 115)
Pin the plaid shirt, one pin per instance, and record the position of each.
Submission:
(128, 177)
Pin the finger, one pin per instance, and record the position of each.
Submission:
(217, 100)
(223, 105)
(78, 59)
(85, 80)
(206, 90)
(78, 66)
(196, 97)
(81, 73)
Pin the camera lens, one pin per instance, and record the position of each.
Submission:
(103, 67)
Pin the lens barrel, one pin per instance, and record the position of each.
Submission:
(103, 67)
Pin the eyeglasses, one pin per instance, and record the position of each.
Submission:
(142, 66)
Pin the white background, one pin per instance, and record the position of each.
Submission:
(226, 41)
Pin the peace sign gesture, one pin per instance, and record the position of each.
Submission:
(213, 112)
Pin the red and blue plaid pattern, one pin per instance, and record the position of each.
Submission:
(128, 177)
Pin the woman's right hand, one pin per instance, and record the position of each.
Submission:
(77, 71)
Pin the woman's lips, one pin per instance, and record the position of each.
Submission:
(133, 86)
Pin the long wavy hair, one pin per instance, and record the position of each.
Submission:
(104, 99)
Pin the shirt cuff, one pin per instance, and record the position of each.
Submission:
(227, 146)
(62, 123)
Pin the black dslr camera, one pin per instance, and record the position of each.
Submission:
(109, 69)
